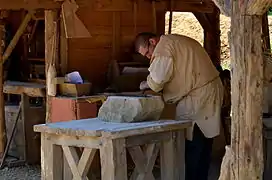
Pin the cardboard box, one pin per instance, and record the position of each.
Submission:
(72, 108)
(75, 90)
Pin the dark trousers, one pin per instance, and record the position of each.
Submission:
(198, 156)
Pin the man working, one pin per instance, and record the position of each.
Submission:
(181, 68)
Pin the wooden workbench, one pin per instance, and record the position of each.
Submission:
(113, 140)
(27, 88)
(29, 117)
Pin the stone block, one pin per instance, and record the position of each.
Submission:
(131, 109)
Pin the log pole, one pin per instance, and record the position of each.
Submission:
(51, 54)
(16, 37)
(247, 95)
(2, 103)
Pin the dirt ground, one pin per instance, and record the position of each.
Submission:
(21, 173)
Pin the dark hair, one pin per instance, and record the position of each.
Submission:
(142, 39)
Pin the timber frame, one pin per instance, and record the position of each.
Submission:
(246, 52)
(56, 58)
(112, 141)
(3, 15)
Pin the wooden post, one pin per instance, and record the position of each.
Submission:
(172, 154)
(266, 36)
(212, 41)
(51, 53)
(170, 17)
(51, 157)
(245, 159)
(247, 95)
(210, 23)
(2, 103)
(17, 36)
(63, 49)
(154, 15)
(113, 160)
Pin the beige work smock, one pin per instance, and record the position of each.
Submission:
(181, 67)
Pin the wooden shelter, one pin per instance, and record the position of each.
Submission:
(112, 26)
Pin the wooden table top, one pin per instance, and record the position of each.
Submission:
(98, 128)
(28, 88)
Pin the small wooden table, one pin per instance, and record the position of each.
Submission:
(30, 153)
(113, 140)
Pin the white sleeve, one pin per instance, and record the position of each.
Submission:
(161, 69)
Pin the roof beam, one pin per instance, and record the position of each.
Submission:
(29, 4)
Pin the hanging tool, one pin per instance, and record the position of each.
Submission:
(74, 27)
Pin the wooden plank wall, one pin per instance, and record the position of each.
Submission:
(112, 26)
(91, 56)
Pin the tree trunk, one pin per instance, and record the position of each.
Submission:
(247, 95)
(51, 54)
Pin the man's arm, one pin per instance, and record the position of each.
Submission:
(161, 70)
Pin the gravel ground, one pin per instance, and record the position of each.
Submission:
(21, 173)
(33, 172)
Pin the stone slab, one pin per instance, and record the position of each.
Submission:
(131, 109)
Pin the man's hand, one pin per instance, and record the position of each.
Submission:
(144, 85)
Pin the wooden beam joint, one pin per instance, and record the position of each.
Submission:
(204, 21)
(16, 37)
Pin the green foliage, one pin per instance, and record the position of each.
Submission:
(270, 12)
(225, 64)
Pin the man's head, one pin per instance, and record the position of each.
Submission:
(145, 43)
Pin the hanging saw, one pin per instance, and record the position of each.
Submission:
(74, 27)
